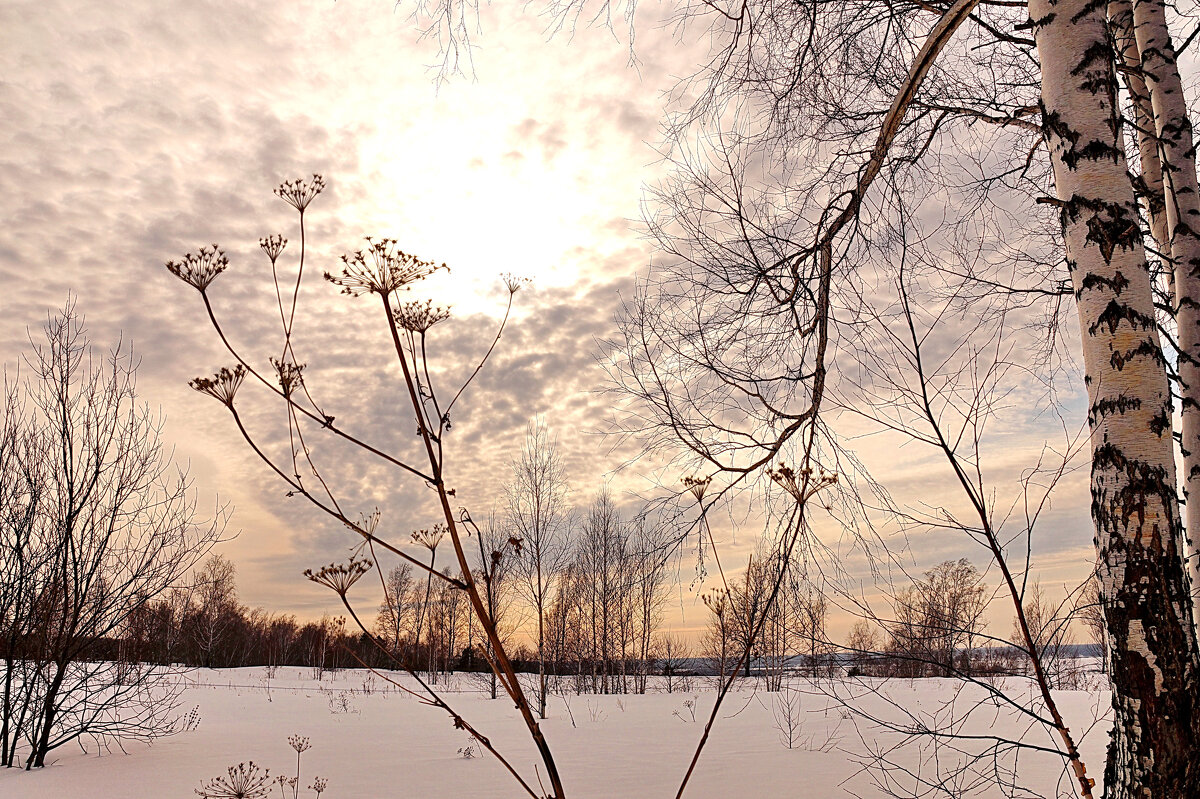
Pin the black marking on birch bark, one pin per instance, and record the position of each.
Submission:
(1097, 59)
(1116, 312)
(1146, 349)
(1053, 125)
(1142, 481)
(1156, 54)
(1155, 201)
(1116, 283)
(1152, 736)
(1109, 225)
(1089, 8)
(1032, 24)
(1113, 405)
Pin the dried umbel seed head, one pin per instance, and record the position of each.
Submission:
(222, 386)
(299, 193)
(339, 576)
(788, 479)
(318, 785)
(802, 484)
(512, 282)
(244, 781)
(716, 601)
(380, 269)
(198, 270)
(418, 317)
(272, 246)
(299, 743)
(429, 538)
(697, 485)
(290, 376)
(367, 523)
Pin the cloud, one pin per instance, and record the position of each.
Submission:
(137, 131)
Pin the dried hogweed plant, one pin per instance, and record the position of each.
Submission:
(248, 781)
(243, 781)
(381, 273)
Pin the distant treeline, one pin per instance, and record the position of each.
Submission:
(205, 625)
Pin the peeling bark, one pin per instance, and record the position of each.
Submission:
(1155, 746)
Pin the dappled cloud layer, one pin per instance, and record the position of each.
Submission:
(137, 131)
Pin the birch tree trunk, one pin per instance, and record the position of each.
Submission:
(1172, 128)
(1155, 746)
(1150, 181)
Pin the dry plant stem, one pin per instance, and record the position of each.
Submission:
(428, 589)
(712, 544)
(434, 699)
(486, 355)
(322, 422)
(506, 672)
(287, 330)
(993, 543)
(286, 320)
(807, 490)
(501, 665)
(299, 489)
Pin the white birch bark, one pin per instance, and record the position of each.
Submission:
(1120, 16)
(1138, 536)
(1181, 194)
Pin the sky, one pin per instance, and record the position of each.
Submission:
(135, 132)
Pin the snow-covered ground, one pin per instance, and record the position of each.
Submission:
(369, 740)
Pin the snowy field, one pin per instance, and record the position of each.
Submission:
(369, 740)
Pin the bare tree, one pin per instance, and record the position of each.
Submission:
(863, 646)
(811, 613)
(648, 567)
(1091, 615)
(1051, 628)
(745, 609)
(215, 609)
(539, 515)
(428, 538)
(22, 559)
(718, 642)
(394, 623)
(604, 582)
(938, 619)
(674, 655)
(110, 524)
(953, 601)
